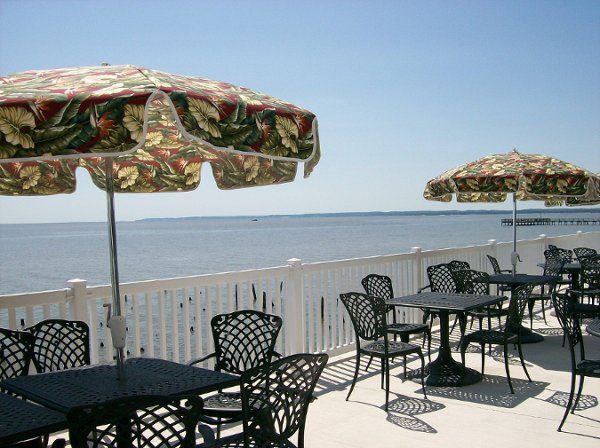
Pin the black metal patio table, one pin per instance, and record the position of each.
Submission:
(444, 370)
(513, 281)
(593, 328)
(67, 389)
(21, 420)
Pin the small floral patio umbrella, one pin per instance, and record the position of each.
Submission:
(142, 131)
(526, 176)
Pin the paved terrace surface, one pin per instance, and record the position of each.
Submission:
(483, 414)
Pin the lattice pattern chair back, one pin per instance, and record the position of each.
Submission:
(590, 272)
(244, 339)
(60, 344)
(440, 278)
(368, 315)
(469, 281)
(495, 264)
(584, 252)
(554, 266)
(378, 286)
(15, 353)
(563, 254)
(275, 398)
(150, 422)
(457, 265)
(517, 305)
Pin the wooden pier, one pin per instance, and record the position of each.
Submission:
(552, 221)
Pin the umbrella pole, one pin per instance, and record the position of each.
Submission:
(514, 256)
(116, 323)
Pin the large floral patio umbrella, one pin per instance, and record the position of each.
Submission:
(142, 131)
(525, 176)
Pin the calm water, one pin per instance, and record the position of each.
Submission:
(37, 257)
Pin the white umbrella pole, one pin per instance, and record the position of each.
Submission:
(514, 256)
(116, 322)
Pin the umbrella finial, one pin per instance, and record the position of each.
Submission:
(515, 150)
(105, 64)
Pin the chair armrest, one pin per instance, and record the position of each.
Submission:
(506, 271)
(423, 289)
(276, 354)
(199, 360)
(208, 436)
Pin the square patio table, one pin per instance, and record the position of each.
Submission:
(21, 420)
(514, 281)
(90, 385)
(444, 370)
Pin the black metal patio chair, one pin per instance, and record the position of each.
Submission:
(500, 289)
(470, 281)
(584, 252)
(440, 280)
(243, 340)
(141, 422)
(570, 322)
(589, 288)
(552, 267)
(15, 353)
(564, 255)
(60, 344)
(504, 337)
(381, 286)
(369, 319)
(275, 400)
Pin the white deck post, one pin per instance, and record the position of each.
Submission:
(493, 250)
(417, 268)
(78, 303)
(295, 319)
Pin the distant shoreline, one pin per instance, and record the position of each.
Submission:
(526, 211)
(380, 213)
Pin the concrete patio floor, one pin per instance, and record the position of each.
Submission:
(484, 414)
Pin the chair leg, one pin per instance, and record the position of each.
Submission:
(369, 363)
(463, 349)
(581, 378)
(219, 428)
(404, 366)
(382, 372)
(571, 393)
(544, 312)
(355, 374)
(523, 360)
(387, 382)
(483, 358)
(530, 304)
(512, 391)
(422, 373)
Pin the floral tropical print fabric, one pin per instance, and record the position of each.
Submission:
(530, 176)
(248, 138)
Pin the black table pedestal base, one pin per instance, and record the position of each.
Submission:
(450, 373)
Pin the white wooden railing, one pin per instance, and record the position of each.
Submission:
(170, 318)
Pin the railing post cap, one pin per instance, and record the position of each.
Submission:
(294, 261)
(579, 232)
(415, 249)
(492, 241)
(76, 281)
(542, 235)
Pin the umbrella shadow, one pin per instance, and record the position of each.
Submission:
(402, 412)
(561, 399)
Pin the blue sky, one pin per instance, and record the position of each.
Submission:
(403, 90)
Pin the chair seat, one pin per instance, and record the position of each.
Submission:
(407, 328)
(230, 402)
(589, 367)
(586, 310)
(490, 337)
(377, 348)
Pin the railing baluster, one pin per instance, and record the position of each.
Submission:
(186, 329)
(137, 324)
(149, 350)
(174, 325)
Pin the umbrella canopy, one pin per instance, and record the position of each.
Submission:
(526, 176)
(142, 131)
